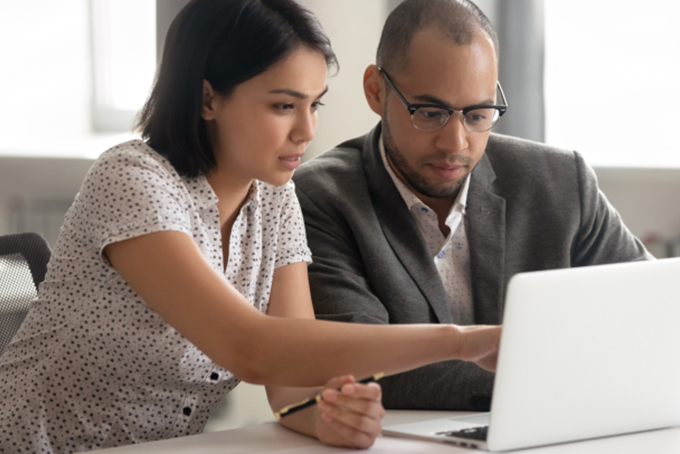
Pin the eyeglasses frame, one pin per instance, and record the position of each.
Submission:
(502, 108)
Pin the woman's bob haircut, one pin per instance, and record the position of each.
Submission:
(225, 42)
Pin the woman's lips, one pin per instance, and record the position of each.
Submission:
(291, 162)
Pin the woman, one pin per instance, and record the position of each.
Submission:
(182, 263)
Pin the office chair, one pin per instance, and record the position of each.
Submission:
(23, 264)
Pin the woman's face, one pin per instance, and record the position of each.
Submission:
(261, 130)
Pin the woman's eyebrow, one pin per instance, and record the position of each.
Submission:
(296, 94)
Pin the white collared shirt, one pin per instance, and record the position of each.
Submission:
(451, 254)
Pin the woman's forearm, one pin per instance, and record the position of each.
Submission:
(286, 346)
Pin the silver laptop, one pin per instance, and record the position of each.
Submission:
(585, 353)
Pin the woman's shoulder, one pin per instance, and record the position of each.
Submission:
(131, 173)
(133, 154)
(130, 188)
(132, 164)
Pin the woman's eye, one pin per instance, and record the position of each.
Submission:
(317, 104)
(283, 107)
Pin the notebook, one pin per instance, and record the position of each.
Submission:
(585, 353)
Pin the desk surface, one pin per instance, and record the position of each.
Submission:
(272, 437)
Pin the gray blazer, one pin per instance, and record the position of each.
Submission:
(530, 207)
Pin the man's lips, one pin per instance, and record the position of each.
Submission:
(447, 171)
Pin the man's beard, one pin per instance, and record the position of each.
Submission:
(413, 178)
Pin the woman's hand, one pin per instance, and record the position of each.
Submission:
(479, 344)
(349, 417)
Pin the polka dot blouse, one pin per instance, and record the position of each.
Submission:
(93, 366)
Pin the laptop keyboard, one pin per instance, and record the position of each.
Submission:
(473, 433)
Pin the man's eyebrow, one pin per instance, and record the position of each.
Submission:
(296, 94)
(434, 100)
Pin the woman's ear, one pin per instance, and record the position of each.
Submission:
(374, 89)
(208, 102)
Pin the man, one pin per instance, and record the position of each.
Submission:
(426, 218)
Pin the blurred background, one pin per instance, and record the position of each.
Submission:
(598, 77)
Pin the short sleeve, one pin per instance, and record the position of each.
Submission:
(292, 239)
(131, 192)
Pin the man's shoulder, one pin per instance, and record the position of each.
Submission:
(534, 177)
(520, 159)
(509, 148)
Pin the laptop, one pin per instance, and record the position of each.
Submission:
(585, 353)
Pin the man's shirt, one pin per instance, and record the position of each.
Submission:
(451, 254)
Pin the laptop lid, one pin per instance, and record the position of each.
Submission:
(588, 352)
(585, 352)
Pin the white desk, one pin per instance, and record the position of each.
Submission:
(272, 437)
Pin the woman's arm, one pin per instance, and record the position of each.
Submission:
(350, 417)
(169, 273)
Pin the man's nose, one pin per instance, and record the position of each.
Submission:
(453, 135)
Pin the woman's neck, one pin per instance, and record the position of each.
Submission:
(231, 192)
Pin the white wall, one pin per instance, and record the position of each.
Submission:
(353, 27)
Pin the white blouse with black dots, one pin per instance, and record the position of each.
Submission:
(93, 366)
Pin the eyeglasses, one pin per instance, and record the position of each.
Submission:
(430, 117)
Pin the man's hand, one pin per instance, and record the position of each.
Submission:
(479, 344)
(350, 417)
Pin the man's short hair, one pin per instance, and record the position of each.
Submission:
(457, 20)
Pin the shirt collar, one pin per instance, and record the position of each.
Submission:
(459, 205)
(204, 197)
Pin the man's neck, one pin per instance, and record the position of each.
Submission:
(440, 205)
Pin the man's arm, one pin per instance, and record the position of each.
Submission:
(603, 237)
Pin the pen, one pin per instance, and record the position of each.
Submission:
(292, 408)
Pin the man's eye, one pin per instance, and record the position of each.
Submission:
(431, 114)
(478, 116)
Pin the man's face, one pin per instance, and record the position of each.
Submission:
(435, 163)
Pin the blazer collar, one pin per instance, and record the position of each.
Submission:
(485, 224)
(401, 230)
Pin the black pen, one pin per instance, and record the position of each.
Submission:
(292, 408)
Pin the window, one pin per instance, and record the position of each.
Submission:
(124, 60)
(611, 77)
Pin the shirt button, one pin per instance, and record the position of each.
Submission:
(441, 254)
(214, 376)
(187, 411)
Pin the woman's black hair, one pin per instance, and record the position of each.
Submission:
(225, 42)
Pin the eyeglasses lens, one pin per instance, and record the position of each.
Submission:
(432, 118)
(481, 119)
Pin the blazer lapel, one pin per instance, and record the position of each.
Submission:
(485, 216)
(401, 229)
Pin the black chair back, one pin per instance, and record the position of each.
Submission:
(23, 264)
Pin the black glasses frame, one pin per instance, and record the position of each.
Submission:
(501, 108)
